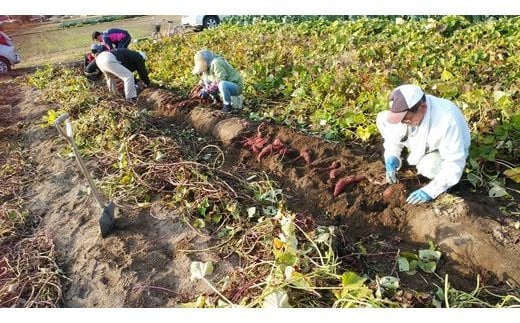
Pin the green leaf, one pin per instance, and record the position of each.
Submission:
(403, 264)
(353, 288)
(271, 195)
(413, 267)
(251, 211)
(427, 266)
(277, 299)
(364, 133)
(203, 207)
(297, 279)
(429, 255)
(286, 258)
(497, 191)
(323, 234)
(389, 283)
(351, 279)
(214, 217)
(269, 211)
(199, 223)
(446, 76)
(51, 117)
(362, 249)
(200, 270)
(409, 255)
(475, 180)
(127, 179)
(513, 174)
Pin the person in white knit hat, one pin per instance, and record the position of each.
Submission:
(218, 76)
(434, 132)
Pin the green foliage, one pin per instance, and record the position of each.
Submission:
(332, 76)
(425, 259)
(92, 21)
(41, 77)
(353, 291)
(482, 297)
(65, 87)
(323, 75)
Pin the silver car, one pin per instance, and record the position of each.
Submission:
(8, 54)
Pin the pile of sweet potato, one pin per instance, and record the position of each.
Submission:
(341, 183)
(263, 147)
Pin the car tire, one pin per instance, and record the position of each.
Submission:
(5, 65)
(210, 22)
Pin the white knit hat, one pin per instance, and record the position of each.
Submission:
(200, 64)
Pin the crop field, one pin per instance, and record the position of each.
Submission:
(207, 217)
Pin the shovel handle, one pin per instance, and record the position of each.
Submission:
(68, 134)
(60, 119)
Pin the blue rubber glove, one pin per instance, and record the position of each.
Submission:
(419, 196)
(391, 164)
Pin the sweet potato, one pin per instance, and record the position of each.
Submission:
(305, 154)
(255, 143)
(266, 150)
(194, 93)
(342, 183)
(285, 151)
(395, 194)
(334, 173)
(335, 164)
(277, 144)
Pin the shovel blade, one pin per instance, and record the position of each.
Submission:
(107, 221)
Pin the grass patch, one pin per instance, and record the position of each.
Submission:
(49, 44)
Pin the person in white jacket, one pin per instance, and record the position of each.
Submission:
(435, 134)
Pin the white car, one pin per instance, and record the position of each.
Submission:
(202, 22)
(8, 54)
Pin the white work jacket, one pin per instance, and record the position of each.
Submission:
(443, 129)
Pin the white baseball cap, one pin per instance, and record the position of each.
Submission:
(402, 99)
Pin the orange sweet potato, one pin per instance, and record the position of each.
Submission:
(334, 173)
(345, 181)
(335, 164)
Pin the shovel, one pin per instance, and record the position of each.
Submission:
(106, 221)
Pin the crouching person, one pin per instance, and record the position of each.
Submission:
(435, 134)
(121, 63)
(92, 71)
(218, 75)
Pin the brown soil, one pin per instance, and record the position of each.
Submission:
(144, 263)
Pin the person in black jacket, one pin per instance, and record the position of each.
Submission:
(134, 61)
(121, 63)
(91, 70)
